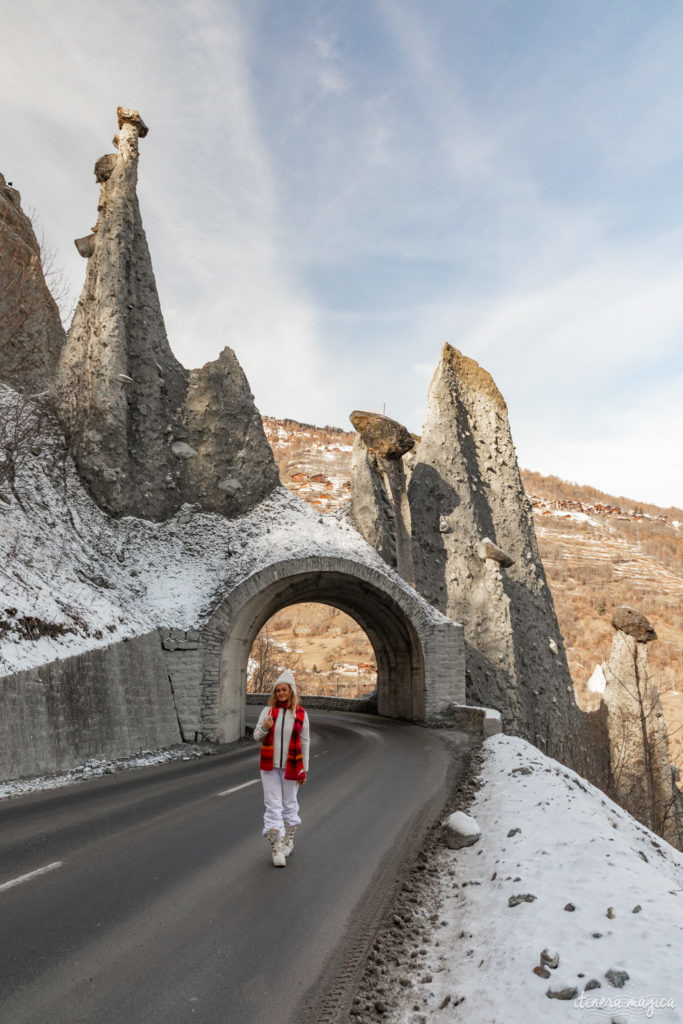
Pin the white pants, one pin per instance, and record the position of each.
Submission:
(280, 796)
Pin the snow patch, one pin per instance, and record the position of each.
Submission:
(597, 682)
(577, 517)
(597, 889)
(93, 769)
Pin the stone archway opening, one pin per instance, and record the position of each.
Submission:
(398, 650)
(328, 652)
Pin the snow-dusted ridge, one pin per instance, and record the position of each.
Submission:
(549, 835)
(72, 578)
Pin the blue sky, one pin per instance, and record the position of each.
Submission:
(335, 189)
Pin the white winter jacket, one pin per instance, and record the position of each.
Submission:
(282, 735)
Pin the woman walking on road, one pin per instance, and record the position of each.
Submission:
(284, 731)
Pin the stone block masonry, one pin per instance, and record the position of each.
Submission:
(420, 653)
(184, 664)
(109, 702)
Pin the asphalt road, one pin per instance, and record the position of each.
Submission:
(159, 905)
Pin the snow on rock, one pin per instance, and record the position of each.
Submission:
(460, 830)
(598, 933)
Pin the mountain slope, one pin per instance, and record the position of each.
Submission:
(599, 551)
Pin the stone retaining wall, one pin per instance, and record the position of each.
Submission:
(364, 705)
(109, 702)
(480, 723)
(477, 722)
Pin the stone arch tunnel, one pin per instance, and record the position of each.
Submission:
(420, 654)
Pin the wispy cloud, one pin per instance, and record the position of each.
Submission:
(336, 190)
(330, 75)
(206, 187)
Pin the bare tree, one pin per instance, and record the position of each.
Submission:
(640, 767)
(22, 423)
(267, 660)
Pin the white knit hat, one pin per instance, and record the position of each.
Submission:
(286, 677)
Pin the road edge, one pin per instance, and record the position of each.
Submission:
(330, 999)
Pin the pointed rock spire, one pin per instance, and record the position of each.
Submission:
(476, 557)
(144, 439)
(235, 467)
(31, 332)
(118, 385)
(379, 500)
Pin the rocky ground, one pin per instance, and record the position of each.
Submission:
(399, 962)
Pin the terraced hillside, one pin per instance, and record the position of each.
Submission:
(599, 551)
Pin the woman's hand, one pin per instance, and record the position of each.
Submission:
(302, 778)
(267, 722)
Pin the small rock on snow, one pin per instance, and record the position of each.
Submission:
(561, 990)
(617, 978)
(460, 830)
(523, 897)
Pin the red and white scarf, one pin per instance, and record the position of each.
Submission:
(295, 762)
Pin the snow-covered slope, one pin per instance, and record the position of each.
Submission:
(73, 578)
(602, 892)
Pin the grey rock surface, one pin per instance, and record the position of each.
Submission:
(118, 385)
(144, 435)
(485, 569)
(235, 467)
(31, 332)
(379, 497)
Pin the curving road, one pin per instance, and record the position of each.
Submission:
(154, 901)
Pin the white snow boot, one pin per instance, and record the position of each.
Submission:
(275, 839)
(288, 842)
